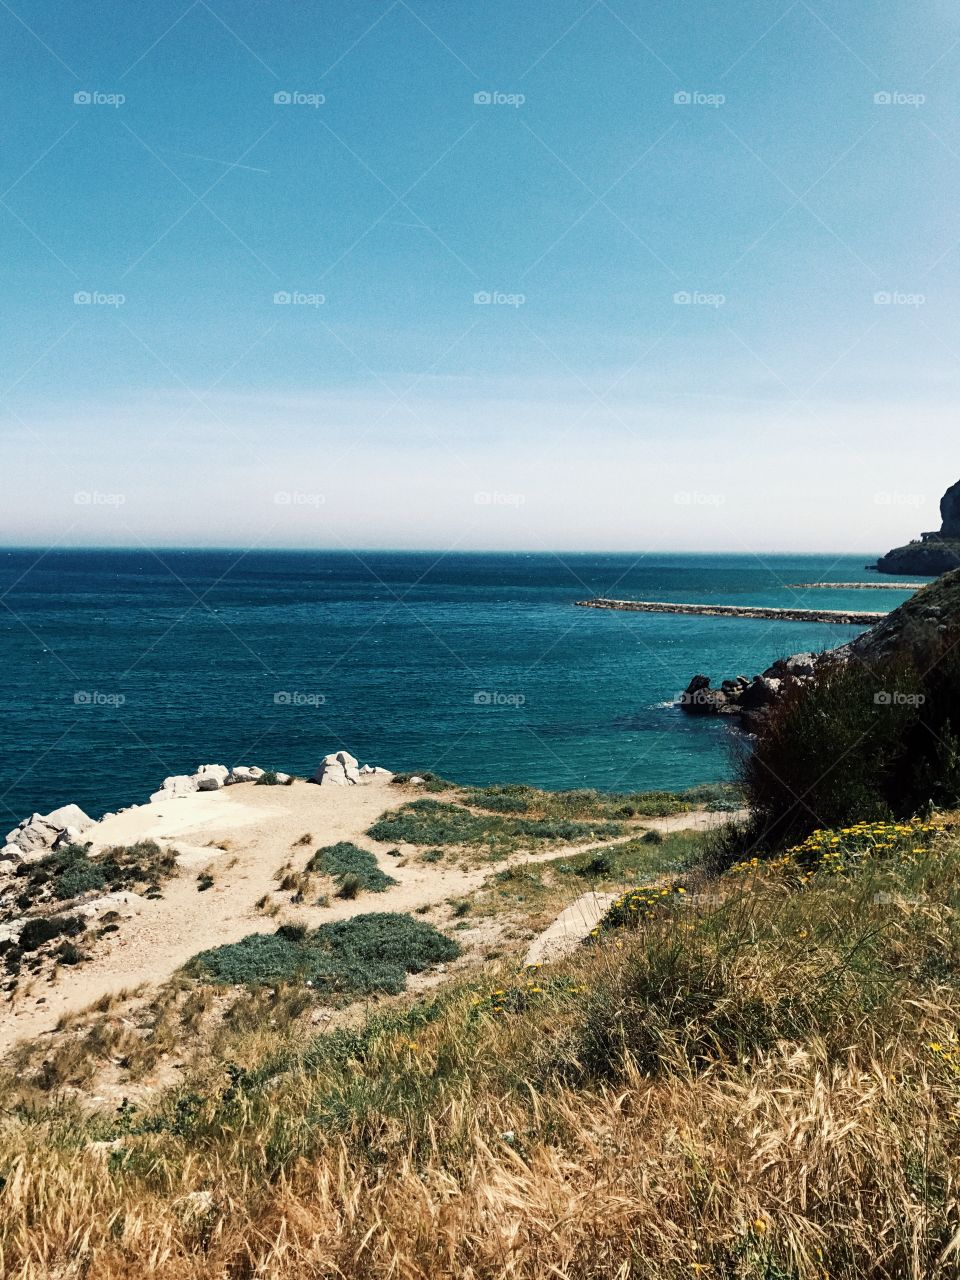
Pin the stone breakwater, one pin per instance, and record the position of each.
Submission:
(845, 617)
(855, 586)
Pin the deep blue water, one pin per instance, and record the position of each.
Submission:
(120, 667)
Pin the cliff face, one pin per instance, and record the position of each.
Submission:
(932, 553)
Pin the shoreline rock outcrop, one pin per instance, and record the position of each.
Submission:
(34, 837)
(932, 553)
(933, 611)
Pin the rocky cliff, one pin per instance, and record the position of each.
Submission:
(932, 553)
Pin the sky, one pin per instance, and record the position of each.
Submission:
(584, 275)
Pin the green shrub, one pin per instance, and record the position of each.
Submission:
(858, 743)
(349, 860)
(359, 956)
(41, 929)
(70, 871)
(268, 779)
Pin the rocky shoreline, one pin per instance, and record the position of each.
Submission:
(934, 609)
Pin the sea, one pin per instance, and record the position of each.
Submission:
(120, 667)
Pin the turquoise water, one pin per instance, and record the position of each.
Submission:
(120, 667)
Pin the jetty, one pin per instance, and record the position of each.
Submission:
(856, 586)
(845, 617)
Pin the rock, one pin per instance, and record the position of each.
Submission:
(240, 773)
(8, 866)
(373, 773)
(950, 512)
(340, 769)
(71, 815)
(40, 832)
(180, 784)
(801, 664)
(109, 902)
(416, 780)
(211, 777)
(282, 777)
(932, 553)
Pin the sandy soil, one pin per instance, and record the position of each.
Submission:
(243, 834)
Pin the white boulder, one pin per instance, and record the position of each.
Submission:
(211, 777)
(240, 773)
(180, 784)
(339, 769)
(40, 832)
(370, 773)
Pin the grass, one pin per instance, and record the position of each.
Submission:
(348, 863)
(759, 1081)
(359, 956)
(533, 894)
(516, 798)
(435, 822)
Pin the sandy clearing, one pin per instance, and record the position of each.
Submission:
(258, 828)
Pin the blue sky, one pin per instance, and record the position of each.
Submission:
(720, 246)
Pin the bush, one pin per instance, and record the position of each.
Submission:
(43, 929)
(857, 743)
(268, 779)
(359, 956)
(70, 871)
(346, 860)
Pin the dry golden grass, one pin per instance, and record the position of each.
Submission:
(759, 1086)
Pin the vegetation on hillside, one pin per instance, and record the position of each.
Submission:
(435, 822)
(758, 1081)
(860, 742)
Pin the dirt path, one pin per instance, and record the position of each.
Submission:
(253, 831)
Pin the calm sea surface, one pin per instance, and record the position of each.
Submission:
(120, 667)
